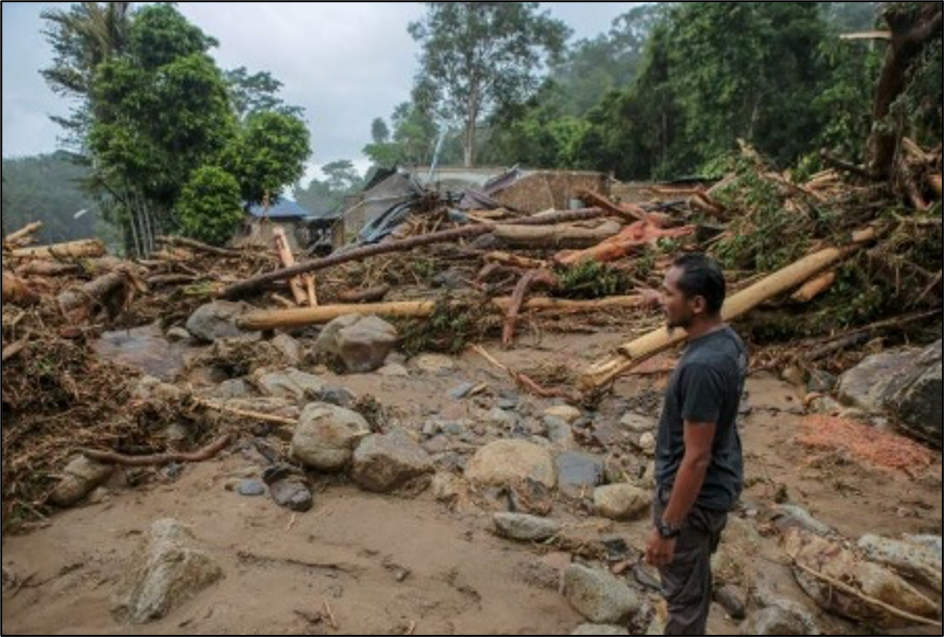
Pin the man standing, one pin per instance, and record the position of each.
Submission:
(699, 453)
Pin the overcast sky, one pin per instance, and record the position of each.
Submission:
(345, 63)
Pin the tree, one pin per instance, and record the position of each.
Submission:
(477, 55)
(255, 93)
(268, 154)
(380, 134)
(209, 208)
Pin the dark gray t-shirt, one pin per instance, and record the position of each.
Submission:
(706, 386)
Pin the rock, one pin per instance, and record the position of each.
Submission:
(503, 462)
(447, 487)
(578, 472)
(292, 494)
(290, 349)
(359, 343)
(600, 629)
(326, 436)
(647, 444)
(788, 516)
(918, 561)
(773, 621)
(557, 430)
(178, 334)
(906, 383)
(638, 423)
(79, 478)
(9, 579)
(502, 418)
(793, 374)
(216, 320)
(454, 428)
(821, 381)
(392, 370)
(234, 388)
(599, 596)
(289, 383)
(251, 488)
(461, 390)
(567, 413)
(621, 502)
(525, 528)
(732, 599)
(168, 570)
(825, 405)
(337, 396)
(507, 402)
(387, 462)
(433, 363)
(834, 560)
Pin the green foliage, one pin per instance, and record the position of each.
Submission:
(592, 280)
(209, 207)
(268, 153)
(323, 196)
(255, 93)
(160, 35)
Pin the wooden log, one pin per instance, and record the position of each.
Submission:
(366, 295)
(37, 267)
(935, 183)
(621, 244)
(514, 260)
(557, 236)
(635, 352)
(304, 316)
(814, 288)
(24, 236)
(79, 303)
(17, 291)
(631, 212)
(287, 259)
(193, 244)
(255, 283)
(13, 349)
(529, 280)
(84, 248)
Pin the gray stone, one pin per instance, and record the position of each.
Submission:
(557, 429)
(289, 383)
(216, 320)
(234, 388)
(578, 472)
(434, 363)
(326, 436)
(525, 528)
(821, 381)
(79, 478)
(599, 596)
(251, 488)
(393, 370)
(290, 349)
(501, 417)
(359, 343)
(788, 516)
(732, 599)
(567, 413)
(461, 390)
(504, 462)
(178, 334)
(388, 462)
(915, 559)
(774, 621)
(638, 423)
(337, 396)
(167, 571)
(905, 383)
(291, 493)
(621, 502)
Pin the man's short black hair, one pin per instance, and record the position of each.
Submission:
(701, 276)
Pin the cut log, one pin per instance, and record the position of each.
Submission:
(529, 281)
(24, 236)
(106, 291)
(36, 267)
(84, 248)
(287, 259)
(635, 352)
(814, 288)
(256, 283)
(193, 244)
(630, 212)
(304, 316)
(17, 291)
(621, 244)
(557, 236)
(514, 260)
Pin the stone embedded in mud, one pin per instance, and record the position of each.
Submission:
(234, 388)
(388, 462)
(621, 502)
(567, 413)
(504, 462)
(578, 472)
(289, 383)
(79, 478)
(907, 383)
(216, 320)
(326, 436)
(168, 570)
(732, 599)
(599, 596)
(918, 561)
(773, 621)
(787, 516)
(359, 343)
(647, 443)
(525, 528)
(638, 423)
(600, 629)
(447, 487)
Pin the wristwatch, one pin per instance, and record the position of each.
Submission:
(667, 531)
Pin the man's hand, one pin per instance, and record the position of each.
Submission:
(659, 551)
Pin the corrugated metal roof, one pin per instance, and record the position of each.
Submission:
(282, 208)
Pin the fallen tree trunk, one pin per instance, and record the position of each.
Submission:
(635, 352)
(37, 267)
(287, 259)
(513, 260)
(630, 212)
(23, 236)
(621, 244)
(814, 288)
(80, 303)
(303, 316)
(402, 245)
(199, 246)
(84, 248)
(16, 290)
(557, 236)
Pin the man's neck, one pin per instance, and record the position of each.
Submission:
(701, 327)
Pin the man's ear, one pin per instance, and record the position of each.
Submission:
(698, 305)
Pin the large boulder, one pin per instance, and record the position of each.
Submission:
(506, 462)
(169, 569)
(359, 343)
(216, 320)
(621, 502)
(79, 478)
(388, 462)
(905, 383)
(599, 596)
(326, 436)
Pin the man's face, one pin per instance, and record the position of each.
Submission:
(680, 309)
